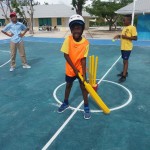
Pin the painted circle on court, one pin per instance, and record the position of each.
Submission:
(92, 110)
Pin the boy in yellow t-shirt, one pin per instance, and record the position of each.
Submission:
(75, 49)
(128, 34)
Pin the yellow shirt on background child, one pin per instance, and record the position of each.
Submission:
(129, 31)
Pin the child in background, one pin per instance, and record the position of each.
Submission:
(15, 29)
(75, 49)
(128, 34)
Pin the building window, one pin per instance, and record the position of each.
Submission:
(45, 21)
(59, 22)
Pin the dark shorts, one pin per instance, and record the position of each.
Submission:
(125, 54)
(71, 79)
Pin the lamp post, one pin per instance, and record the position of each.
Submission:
(133, 12)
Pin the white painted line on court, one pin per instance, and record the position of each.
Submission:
(55, 93)
(109, 70)
(129, 92)
(62, 127)
(74, 112)
(7, 61)
(5, 51)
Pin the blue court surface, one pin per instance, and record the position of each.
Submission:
(29, 100)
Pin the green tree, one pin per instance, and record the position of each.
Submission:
(20, 6)
(5, 6)
(45, 3)
(19, 9)
(106, 10)
(78, 5)
(125, 2)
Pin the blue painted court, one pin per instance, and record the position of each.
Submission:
(29, 100)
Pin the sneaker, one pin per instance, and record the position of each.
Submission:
(121, 74)
(63, 107)
(26, 66)
(12, 69)
(87, 114)
(122, 79)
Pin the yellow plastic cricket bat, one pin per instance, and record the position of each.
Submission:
(95, 96)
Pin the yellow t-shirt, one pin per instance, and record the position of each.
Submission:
(76, 51)
(125, 43)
